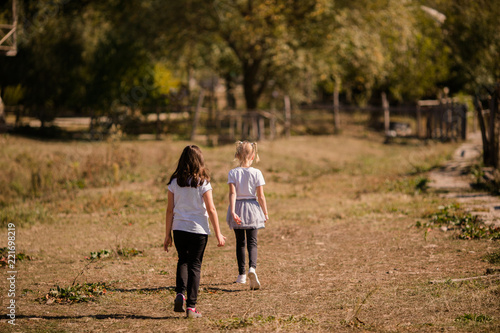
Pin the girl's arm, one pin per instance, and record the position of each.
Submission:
(232, 203)
(262, 200)
(168, 221)
(212, 214)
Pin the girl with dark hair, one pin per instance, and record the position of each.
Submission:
(190, 205)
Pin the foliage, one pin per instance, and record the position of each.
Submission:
(421, 184)
(471, 29)
(128, 252)
(485, 178)
(384, 46)
(99, 254)
(111, 57)
(469, 226)
(261, 40)
(493, 257)
(121, 252)
(79, 56)
(78, 293)
(238, 323)
(4, 253)
(471, 317)
(410, 185)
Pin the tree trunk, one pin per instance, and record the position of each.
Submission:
(482, 126)
(494, 130)
(251, 97)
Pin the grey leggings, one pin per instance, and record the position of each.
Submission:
(250, 243)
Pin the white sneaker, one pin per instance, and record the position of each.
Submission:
(241, 279)
(254, 280)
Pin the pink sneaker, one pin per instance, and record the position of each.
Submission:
(192, 313)
(180, 303)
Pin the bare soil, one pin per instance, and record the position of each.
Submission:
(454, 182)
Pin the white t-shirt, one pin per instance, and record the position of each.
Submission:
(246, 181)
(190, 212)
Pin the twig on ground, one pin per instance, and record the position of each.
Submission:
(353, 319)
(465, 279)
(83, 271)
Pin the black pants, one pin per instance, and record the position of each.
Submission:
(190, 248)
(250, 243)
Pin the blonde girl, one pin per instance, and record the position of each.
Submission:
(190, 205)
(247, 211)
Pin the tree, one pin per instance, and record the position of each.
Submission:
(471, 31)
(264, 36)
(383, 46)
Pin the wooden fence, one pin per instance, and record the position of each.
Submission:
(253, 125)
(444, 119)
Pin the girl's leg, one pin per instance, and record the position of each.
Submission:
(196, 249)
(181, 244)
(252, 247)
(240, 250)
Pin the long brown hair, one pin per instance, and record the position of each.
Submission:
(191, 170)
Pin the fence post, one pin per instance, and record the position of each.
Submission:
(197, 114)
(336, 108)
(419, 120)
(464, 122)
(272, 127)
(158, 123)
(387, 117)
(2, 112)
(244, 128)
(255, 125)
(239, 124)
(232, 124)
(288, 115)
(262, 128)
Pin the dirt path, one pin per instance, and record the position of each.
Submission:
(454, 182)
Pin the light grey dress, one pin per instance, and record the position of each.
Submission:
(246, 181)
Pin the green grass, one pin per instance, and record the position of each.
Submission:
(77, 293)
(468, 226)
(475, 318)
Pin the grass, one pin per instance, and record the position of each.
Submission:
(493, 257)
(470, 317)
(341, 251)
(468, 226)
(78, 293)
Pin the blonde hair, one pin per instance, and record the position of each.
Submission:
(244, 151)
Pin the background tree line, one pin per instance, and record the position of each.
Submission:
(92, 57)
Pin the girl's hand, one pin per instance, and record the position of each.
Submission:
(267, 218)
(167, 243)
(221, 240)
(236, 218)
